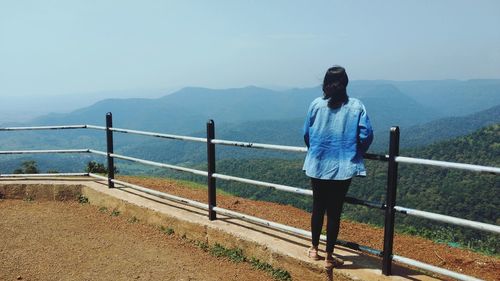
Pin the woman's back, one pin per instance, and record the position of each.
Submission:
(337, 139)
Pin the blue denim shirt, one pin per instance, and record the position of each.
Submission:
(337, 140)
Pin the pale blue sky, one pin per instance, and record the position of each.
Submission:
(67, 47)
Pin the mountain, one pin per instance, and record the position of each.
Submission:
(23, 108)
(401, 103)
(187, 110)
(452, 97)
(448, 128)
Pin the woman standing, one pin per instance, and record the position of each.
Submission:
(337, 132)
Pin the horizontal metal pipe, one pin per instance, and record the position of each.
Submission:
(369, 156)
(296, 190)
(434, 269)
(98, 177)
(292, 230)
(260, 145)
(95, 127)
(265, 184)
(263, 222)
(146, 162)
(449, 219)
(357, 247)
(444, 164)
(158, 135)
(45, 151)
(356, 201)
(98, 152)
(379, 157)
(154, 192)
(44, 175)
(163, 195)
(63, 127)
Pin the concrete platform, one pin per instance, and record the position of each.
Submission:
(280, 249)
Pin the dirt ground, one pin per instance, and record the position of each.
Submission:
(459, 260)
(71, 241)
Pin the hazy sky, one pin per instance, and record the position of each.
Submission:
(70, 47)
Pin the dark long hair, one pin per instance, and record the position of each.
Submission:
(334, 86)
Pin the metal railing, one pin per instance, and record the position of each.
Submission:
(389, 206)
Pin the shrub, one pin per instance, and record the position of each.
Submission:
(82, 199)
(98, 168)
(167, 230)
(27, 167)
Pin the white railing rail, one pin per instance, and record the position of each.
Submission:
(451, 165)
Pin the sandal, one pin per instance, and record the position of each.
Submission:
(312, 253)
(332, 262)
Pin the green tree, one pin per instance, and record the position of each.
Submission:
(27, 167)
(98, 168)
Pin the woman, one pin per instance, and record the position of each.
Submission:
(337, 132)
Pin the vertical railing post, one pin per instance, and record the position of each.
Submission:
(212, 197)
(392, 183)
(109, 142)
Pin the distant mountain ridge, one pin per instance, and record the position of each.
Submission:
(448, 128)
(403, 103)
(187, 110)
(453, 97)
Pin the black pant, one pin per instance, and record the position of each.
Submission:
(328, 195)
